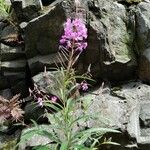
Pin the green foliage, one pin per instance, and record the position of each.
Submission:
(4, 8)
(10, 145)
(63, 130)
(66, 130)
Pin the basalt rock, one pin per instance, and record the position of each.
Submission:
(110, 42)
(143, 38)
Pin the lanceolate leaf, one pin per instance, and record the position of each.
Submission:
(41, 147)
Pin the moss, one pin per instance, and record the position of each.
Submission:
(10, 145)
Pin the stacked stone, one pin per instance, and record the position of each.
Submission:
(13, 60)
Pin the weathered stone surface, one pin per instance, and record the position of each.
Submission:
(20, 87)
(29, 13)
(117, 108)
(145, 116)
(4, 83)
(110, 41)
(15, 65)
(143, 39)
(31, 110)
(41, 62)
(122, 107)
(9, 31)
(11, 53)
(42, 34)
(35, 140)
(26, 10)
(130, 1)
(47, 82)
(27, 3)
(2, 26)
(7, 93)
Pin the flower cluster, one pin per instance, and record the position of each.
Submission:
(40, 96)
(75, 35)
(83, 86)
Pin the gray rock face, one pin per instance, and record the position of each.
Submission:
(26, 10)
(42, 38)
(123, 107)
(109, 38)
(143, 39)
(118, 108)
(35, 140)
(13, 61)
(145, 116)
(42, 34)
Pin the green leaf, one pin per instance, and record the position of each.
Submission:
(84, 138)
(71, 89)
(52, 106)
(28, 135)
(82, 147)
(69, 105)
(100, 131)
(49, 135)
(41, 147)
(81, 118)
(34, 122)
(64, 146)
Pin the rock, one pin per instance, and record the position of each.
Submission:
(9, 141)
(26, 10)
(7, 93)
(143, 39)
(31, 110)
(35, 140)
(36, 3)
(9, 31)
(4, 83)
(29, 13)
(41, 62)
(42, 34)
(15, 65)
(112, 54)
(47, 2)
(20, 87)
(11, 53)
(145, 116)
(47, 82)
(14, 77)
(122, 110)
(39, 44)
(128, 101)
(2, 26)
(130, 1)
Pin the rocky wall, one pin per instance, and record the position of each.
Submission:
(118, 50)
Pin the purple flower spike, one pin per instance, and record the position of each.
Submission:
(75, 35)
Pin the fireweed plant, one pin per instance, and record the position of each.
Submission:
(63, 130)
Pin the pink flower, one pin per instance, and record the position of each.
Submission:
(84, 86)
(54, 99)
(75, 35)
(40, 101)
